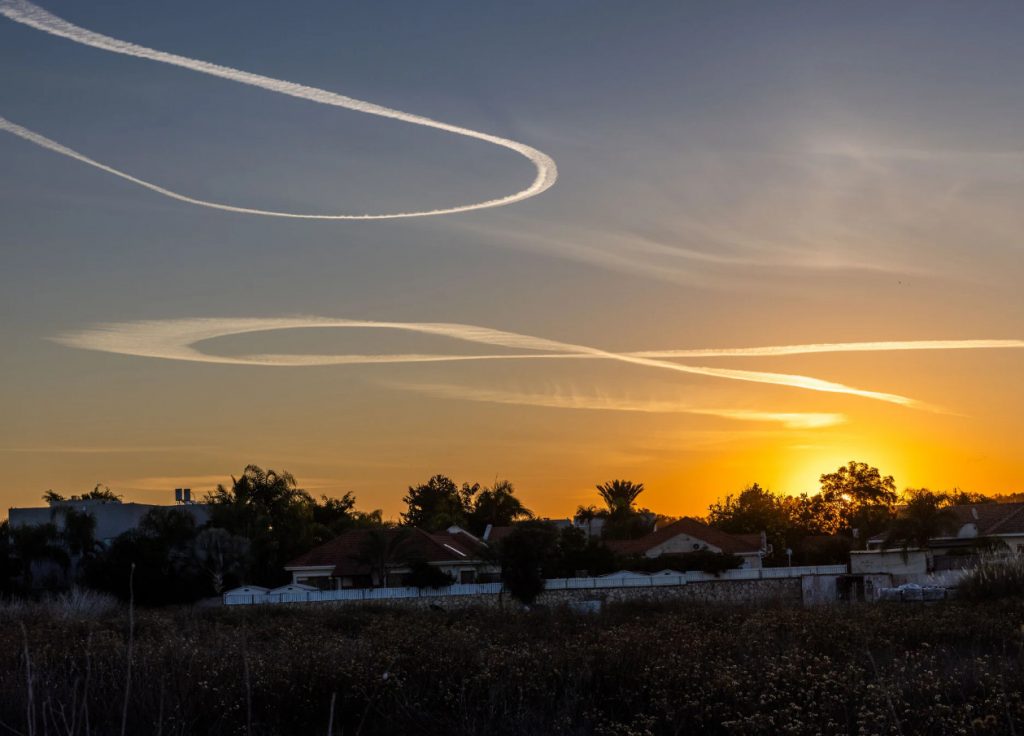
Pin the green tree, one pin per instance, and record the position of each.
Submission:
(438, 504)
(272, 512)
(333, 516)
(497, 506)
(863, 499)
(220, 555)
(78, 537)
(923, 516)
(523, 555)
(99, 493)
(34, 544)
(754, 510)
(576, 552)
(619, 496)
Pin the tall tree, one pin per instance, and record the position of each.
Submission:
(272, 512)
(220, 555)
(497, 506)
(863, 499)
(619, 496)
(438, 504)
(923, 516)
(523, 555)
(37, 544)
(754, 510)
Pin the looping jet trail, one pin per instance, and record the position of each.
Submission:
(29, 14)
(176, 339)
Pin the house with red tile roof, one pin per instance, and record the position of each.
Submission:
(363, 558)
(690, 535)
(977, 527)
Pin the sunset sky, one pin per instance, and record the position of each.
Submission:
(729, 175)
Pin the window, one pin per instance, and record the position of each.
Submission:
(467, 576)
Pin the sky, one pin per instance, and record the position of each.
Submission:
(729, 175)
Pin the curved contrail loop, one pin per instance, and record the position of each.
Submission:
(29, 14)
(177, 340)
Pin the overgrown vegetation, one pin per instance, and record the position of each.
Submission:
(631, 670)
(995, 576)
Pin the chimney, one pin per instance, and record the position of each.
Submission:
(177, 495)
(188, 495)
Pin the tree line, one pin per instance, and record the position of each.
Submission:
(263, 519)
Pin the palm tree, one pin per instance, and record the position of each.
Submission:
(497, 506)
(619, 496)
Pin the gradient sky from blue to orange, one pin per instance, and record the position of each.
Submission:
(730, 175)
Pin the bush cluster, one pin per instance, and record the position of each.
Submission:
(634, 669)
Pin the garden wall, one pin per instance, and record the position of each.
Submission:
(780, 590)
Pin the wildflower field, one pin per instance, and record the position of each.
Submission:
(955, 668)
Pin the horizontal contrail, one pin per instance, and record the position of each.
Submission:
(792, 420)
(29, 14)
(834, 347)
(177, 340)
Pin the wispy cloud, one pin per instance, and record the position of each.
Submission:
(85, 450)
(593, 402)
(26, 13)
(176, 340)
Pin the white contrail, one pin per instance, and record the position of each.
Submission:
(177, 340)
(833, 347)
(792, 420)
(29, 14)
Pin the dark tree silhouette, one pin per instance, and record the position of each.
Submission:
(438, 504)
(497, 506)
(523, 555)
(619, 496)
(863, 499)
(923, 516)
(273, 513)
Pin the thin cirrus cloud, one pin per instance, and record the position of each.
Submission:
(29, 14)
(577, 400)
(177, 339)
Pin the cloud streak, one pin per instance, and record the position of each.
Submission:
(31, 15)
(177, 339)
(575, 400)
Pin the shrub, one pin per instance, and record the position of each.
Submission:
(424, 575)
(714, 563)
(996, 576)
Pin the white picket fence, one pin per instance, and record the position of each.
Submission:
(637, 581)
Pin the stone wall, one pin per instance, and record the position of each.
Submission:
(746, 592)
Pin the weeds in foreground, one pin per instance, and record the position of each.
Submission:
(637, 669)
(995, 576)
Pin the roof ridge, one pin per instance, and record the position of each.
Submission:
(1003, 521)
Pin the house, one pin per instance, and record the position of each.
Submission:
(690, 535)
(357, 558)
(495, 534)
(977, 528)
(113, 518)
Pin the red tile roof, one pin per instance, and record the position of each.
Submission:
(731, 543)
(990, 519)
(343, 552)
